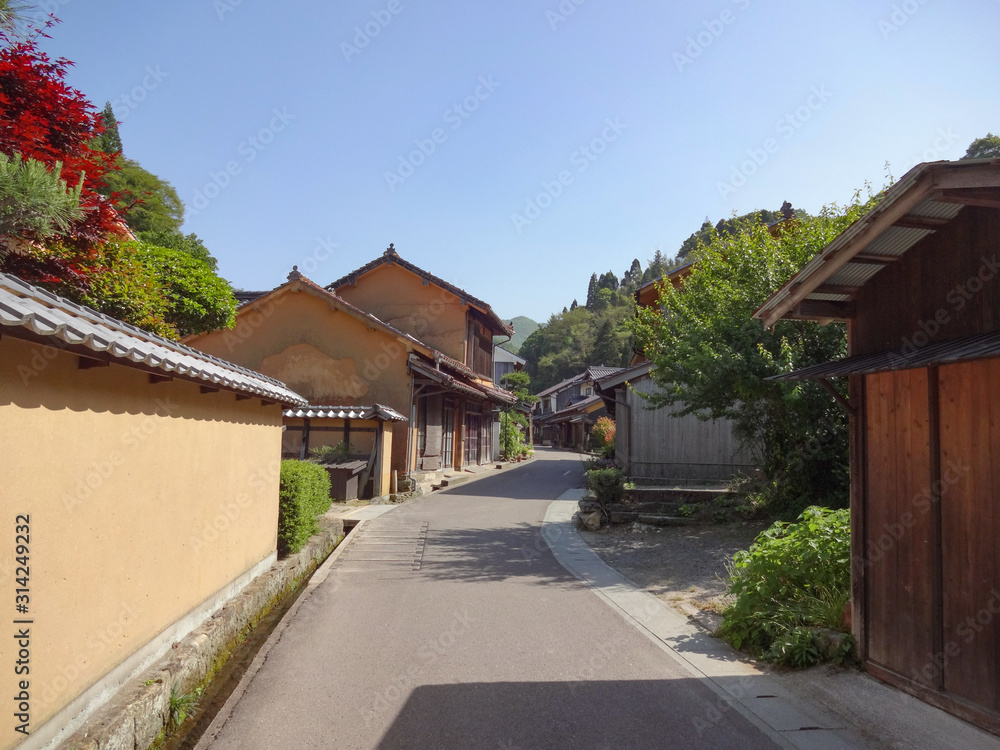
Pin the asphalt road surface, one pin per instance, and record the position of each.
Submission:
(447, 623)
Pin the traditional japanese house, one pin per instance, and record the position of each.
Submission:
(568, 410)
(455, 404)
(916, 281)
(655, 444)
(340, 355)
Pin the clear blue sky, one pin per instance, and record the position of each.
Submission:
(823, 94)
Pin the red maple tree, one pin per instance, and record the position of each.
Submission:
(44, 118)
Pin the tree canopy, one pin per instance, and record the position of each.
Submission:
(713, 359)
(986, 147)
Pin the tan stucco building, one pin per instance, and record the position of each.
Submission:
(388, 333)
(144, 478)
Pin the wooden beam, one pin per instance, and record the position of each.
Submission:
(968, 197)
(209, 389)
(881, 260)
(86, 363)
(842, 402)
(836, 289)
(911, 221)
(811, 309)
(243, 397)
(267, 403)
(154, 379)
(967, 176)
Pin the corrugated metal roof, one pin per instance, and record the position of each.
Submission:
(376, 411)
(937, 210)
(23, 306)
(981, 346)
(896, 240)
(854, 274)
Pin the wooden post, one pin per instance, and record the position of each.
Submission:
(394, 484)
(304, 450)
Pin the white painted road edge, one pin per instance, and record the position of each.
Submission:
(790, 720)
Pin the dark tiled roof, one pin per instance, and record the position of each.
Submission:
(243, 297)
(27, 308)
(390, 257)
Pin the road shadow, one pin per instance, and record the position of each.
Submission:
(490, 555)
(602, 715)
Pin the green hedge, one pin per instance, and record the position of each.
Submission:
(303, 497)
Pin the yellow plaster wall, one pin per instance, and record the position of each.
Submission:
(144, 501)
(325, 354)
(398, 297)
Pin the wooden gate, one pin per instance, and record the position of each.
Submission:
(932, 520)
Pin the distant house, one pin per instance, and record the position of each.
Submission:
(567, 411)
(387, 334)
(655, 444)
(142, 476)
(917, 280)
(505, 363)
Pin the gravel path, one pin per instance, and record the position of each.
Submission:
(678, 563)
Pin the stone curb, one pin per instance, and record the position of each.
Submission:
(318, 577)
(136, 716)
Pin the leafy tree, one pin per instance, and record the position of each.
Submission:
(13, 16)
(199, 301)
(607, 349)
(35, 202)
(656, 268)
(513, 424)
(45, 119)
(573, 305)
(591, 291)
(608, 281)
(188, 243)
(632, 277)
(981, 148)
(149, 203)
(109, 141)
(712, 359)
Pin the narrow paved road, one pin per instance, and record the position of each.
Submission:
(449, 624)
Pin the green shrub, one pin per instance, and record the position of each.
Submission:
(794, 577)
(608, 485)
(304, 495)
(331, 454)
(602, 436)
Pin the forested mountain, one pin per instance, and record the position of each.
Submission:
(523, 327)
(593, 333)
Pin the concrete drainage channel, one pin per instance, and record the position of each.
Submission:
(225, 682)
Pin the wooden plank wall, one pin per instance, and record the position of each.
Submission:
(899, 561)
(931, 294)
(970, 461)
(664, 446)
